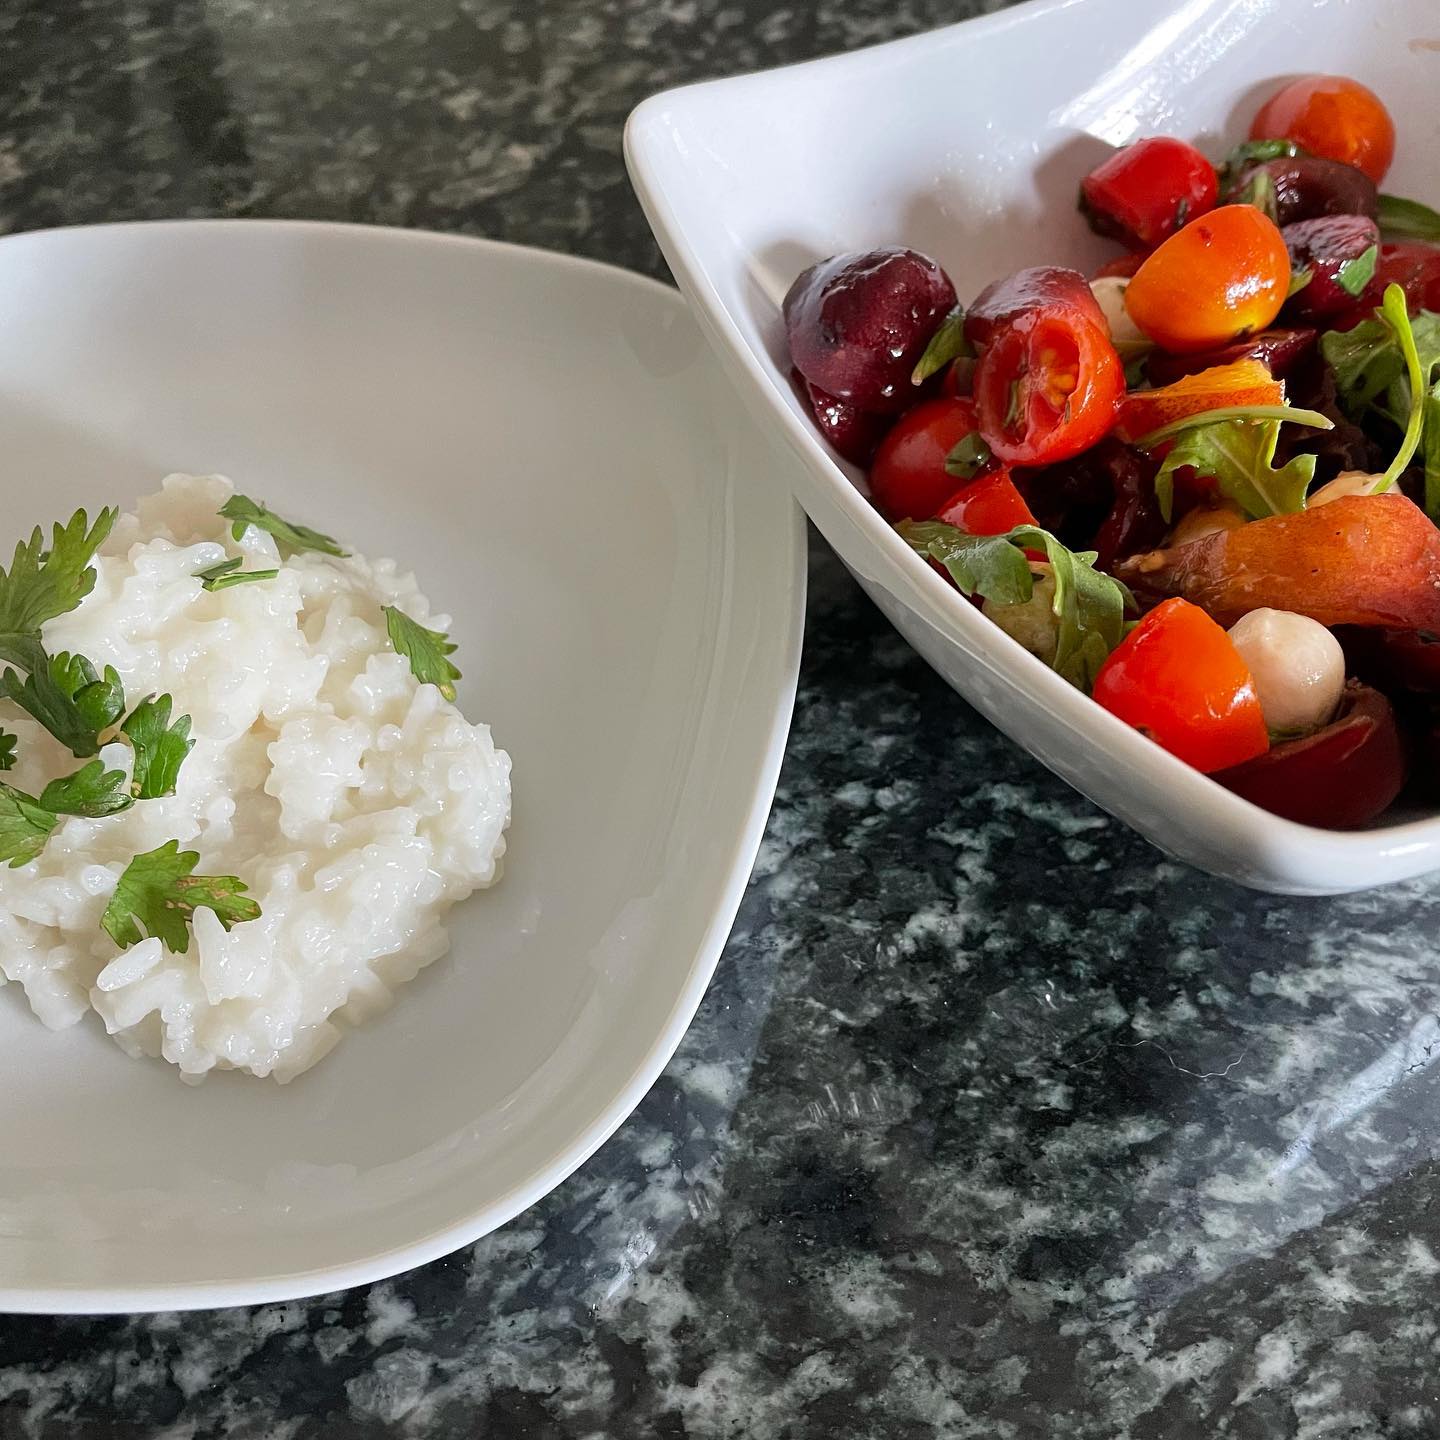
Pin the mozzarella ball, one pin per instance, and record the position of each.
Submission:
(1032, 622)
(1298, 666)
(1348, 482)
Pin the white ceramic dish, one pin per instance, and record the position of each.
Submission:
(548, 443)
(969, 144)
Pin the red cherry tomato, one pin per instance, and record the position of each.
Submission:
(1179, 679)
(908, 479)
(1147, 191)
(1047, 387)
(1053, 289)
(1340, 777)
(1332, 116)
(987, 505)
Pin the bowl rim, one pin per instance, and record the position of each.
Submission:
(68, 1299)
(1265, 841)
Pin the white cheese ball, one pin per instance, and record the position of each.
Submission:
(1125, 335)
(1348, 482)
(1298, 666)
(1032, 622)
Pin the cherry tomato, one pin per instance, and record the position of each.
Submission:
(1047, 386)
(853, 434)
(908, 479)
(1122, 267)
(1223, 276)
(1241, 382)
(1341, 777)
(987, 505)
(1147, 191)
(1054, 289)
(1332, 116)
(1178, 678)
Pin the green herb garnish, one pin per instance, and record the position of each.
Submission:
(1239, 456)
(1354, 275)
(27, 822)
(1089, 606)
(1408, 220)
(291, 538)
(424, 649)
(969, 457)
(160, 891)
(1254, 152)
(160, 747)
(946, 344)
(24, 827)
(7, 750)
(66, 695)
(225, 573)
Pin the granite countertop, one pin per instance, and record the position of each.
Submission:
(994, 1123)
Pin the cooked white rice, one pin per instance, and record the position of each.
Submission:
(357, 804)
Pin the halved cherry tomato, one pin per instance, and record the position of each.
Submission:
(908, 479)
(1333, 116)
(1340, 777)
(1242, 382)
(1178, 678)
(1122, 267)
(1054, 289)
(1047, 386)
(1147, 191)
(987, 505)
(1223, 276)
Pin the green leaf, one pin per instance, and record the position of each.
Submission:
(1239, 456)
(160, 891)
(1354, 275)
(1311, 418)
(42, 583)
(1089, 605)
(1395, 310)
(1431, 452)
(65, 695)
(424, 649)
(24, 827)
(1401, 219)
(225, 573)
(7, 750)
(946, 344)
(1254, 152)
(1366, 360)
(92, 791)
(160, 747)
(969, 457)
(1259, 191)
(291, 538)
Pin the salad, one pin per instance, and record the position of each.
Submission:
(1201, 484)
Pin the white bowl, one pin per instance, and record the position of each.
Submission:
(969, 144)
(548, 443)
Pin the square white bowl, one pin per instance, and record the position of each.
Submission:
(968, 144)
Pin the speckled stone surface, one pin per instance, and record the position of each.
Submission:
(994, 1122)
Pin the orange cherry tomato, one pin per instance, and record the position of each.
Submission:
(1241, 382)
(1223, 276)
(1178, 678)
(1332, 116)
(908, 480)
(987, 505)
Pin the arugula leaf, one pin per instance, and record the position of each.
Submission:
(7, 750)
(946, 344)
(289, 536)
(1089, 605)
(24, 827)
(1366, 360)
(1354, 275)
(160, 891)
(969, 457)
(1239, 457)
(160, 748)
(424, 649)
(64, 693)
(225, 573)
(1395, 309)
(1408, 219)
(1430, 452)
(92, 791)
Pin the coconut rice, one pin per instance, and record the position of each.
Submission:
(356, 803)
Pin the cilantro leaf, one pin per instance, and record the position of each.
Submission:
(1408, 220)
(64, 693)
(946, 344)
(225, 573)
(160, 891)
(1239, 457)
(7, 750)
(291, 537)
(24, 827)
(92, 791)
(42, 583)
(1089, 605)
(424, 649)
(160, 747)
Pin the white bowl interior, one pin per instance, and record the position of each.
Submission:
(969, 143)
(547, 444)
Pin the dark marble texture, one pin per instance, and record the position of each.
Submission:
(994, 1123)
